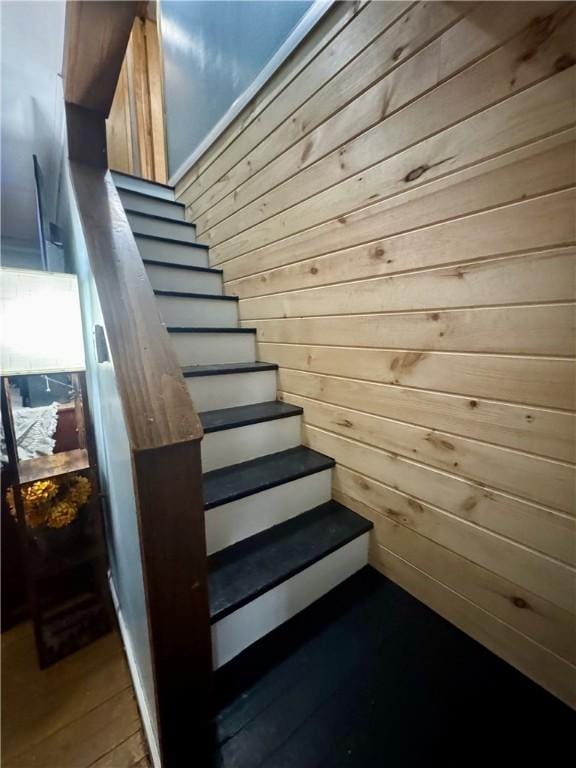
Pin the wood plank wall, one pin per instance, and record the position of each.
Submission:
(396, 212)
(135, 129)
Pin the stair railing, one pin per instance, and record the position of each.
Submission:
(164, 431)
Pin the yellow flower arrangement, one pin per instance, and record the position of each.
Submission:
(52, 503)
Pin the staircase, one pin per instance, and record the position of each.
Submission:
(276, 541)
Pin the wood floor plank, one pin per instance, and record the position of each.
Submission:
(85, 740)
(77, 713)
(132, 753)
(37, 703)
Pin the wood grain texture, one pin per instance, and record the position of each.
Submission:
(413, 107)
(173, 545)
(156, 95)
(96, 38)
(536, 661)
(537, 618)
(135, 127)
(400, 227)
(328, 27)
(158, 408)
(506, 180)
(71, 714)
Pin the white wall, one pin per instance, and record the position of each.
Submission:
(32, 112)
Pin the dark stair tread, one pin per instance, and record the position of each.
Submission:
(222, 486)
(244, 571)
(219, 369)
(133, 212)
(175, 265)
(192, 295)
(141, 178)
(243, 415)
(176, 240)
(200, 329)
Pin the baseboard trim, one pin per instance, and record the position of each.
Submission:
(147, 721)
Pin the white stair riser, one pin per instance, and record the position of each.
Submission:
(155, 206)
(229, 390)
(213, 348)
(161, 228)
(177, 253)
(141, 185)
(233, 446)
(237, 520)
(235, 632)
(172, 279)
(196, 313)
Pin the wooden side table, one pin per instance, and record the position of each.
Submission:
(66, 568)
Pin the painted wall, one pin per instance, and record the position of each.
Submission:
(32, 116)
(212, 53)
(396, 212)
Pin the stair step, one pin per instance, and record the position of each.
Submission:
(212, 346)
(223, 486)
(152, 224)
(197, 308)
(236, 435)
(172, 251)
(243, 572)
(230, 418)
(236, 384)
(197, 280)
(230, 523)
(137, 183)
(144, 202)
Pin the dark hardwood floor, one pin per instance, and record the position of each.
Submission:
(368, 676)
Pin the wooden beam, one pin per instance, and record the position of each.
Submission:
(97, 34)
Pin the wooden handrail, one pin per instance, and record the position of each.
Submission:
(164, 430)
(158, 408)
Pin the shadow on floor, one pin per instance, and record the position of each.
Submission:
(368, 676)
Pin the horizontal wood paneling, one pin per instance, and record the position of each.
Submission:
(536, 661)
(546, 623)
(471, 503)
(424, 23)
(533, 430)
(544, 108)
(541, 480)
(330, 60)
(506, 179)
(537, 330)
(399, 226)
(525, 380)
(545, 276)
(492, 79)
(327, 29)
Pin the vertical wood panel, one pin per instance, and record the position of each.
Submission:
(135, 128)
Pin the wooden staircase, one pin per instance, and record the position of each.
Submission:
(276, 540)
